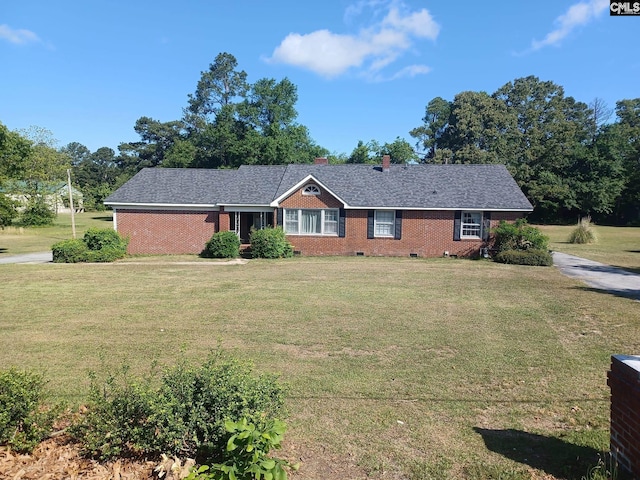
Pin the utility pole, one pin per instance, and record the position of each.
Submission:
(73, 217)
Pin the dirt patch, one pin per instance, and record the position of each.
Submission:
(59, 458)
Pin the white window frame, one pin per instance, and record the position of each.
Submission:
(311, 189)
(469, 224)
(379, 225)
(294, 225)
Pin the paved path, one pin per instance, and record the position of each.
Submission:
(598, 275)
(39, 257)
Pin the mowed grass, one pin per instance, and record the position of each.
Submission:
(618, 246)
(18, 240)
(396, 368)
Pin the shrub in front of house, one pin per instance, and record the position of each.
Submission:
(532, 256)
(24, 420)
(181, 412)
(98, 245)
(270, 243)
(222, 245)
(70, 251)
(519, 236)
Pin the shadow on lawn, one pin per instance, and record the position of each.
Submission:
(104, 219)
(552, 455)
(620, 292)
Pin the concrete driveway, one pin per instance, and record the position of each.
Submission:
(599, 275)
(38, 257)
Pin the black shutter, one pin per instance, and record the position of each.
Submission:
(341, 223)
(397, 234)
(370, 227)
(456, 225)
(280, 218)
(486, 226)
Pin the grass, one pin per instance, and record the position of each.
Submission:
(618, 246)
(397, 368)
(17, 240)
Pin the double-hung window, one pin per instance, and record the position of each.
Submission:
(471, 225)
(384, 225)
(304, 221)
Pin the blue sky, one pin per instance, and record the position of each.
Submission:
(87, 70)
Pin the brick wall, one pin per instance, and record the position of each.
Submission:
(166, 231)
(424, 233)
(624, 382)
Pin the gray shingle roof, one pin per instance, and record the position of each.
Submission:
(486, 187)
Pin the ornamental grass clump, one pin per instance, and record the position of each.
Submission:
(584, 232)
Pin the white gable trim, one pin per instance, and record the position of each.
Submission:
(276, 202)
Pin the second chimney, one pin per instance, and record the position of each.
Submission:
(321, 161)
(386, 163)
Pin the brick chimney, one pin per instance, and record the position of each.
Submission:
(386, 163)
(321, 161)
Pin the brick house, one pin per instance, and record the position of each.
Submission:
(387, 210)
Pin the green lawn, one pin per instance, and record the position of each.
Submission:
(17, 240)
(618, 246)
(397, 368)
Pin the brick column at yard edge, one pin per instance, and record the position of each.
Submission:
(624, 382)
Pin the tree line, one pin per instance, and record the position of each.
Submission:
(566, 156)
(569, 158)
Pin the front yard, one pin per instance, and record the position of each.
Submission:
(397, 368)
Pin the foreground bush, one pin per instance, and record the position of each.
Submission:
(183, 414)
(270, 243)
(24, 421)
(541, 258)
(519, 236)
(97, 245)
(246, 455)
(583, 233)
(222, 245)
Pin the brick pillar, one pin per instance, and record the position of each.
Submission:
(624, 381)
(224, 222)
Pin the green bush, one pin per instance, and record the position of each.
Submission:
(24, 422)
(37, 214)
(101, 238)
(534, 257)
(105, 255)
(97, 245)
(7, 210)
(247, 452)
(519, 236)
(270, 243)
(222, 245)
(69, 251)
(183, 414)
(583, 233)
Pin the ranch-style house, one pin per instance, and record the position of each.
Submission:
(384, 210)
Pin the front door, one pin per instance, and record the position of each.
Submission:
(246, 221)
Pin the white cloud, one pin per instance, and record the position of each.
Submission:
(577, 15)
(19, 36)
(371, 49)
